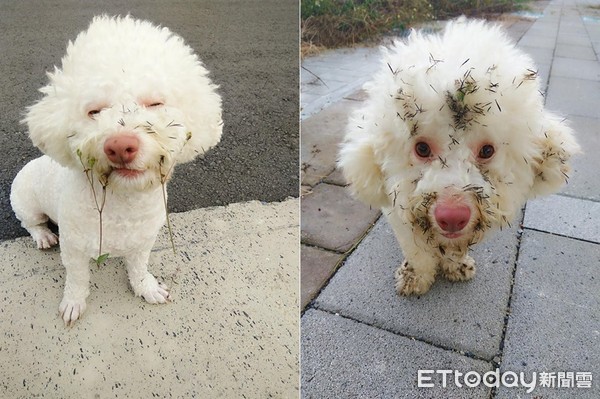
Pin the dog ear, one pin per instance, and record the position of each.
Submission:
(48, 127)
(362, 171)
(201, 106)
(553, 150)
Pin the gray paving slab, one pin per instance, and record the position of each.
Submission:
(332, 219)
(571, 96)
(342, 358)
(571, 217)
(340, 73)
(450, 314)
(231, 329)
(336, 177)
(538, 40)
(572, 51)
(543, 27)
(574, 39)
(321, 137)
(539, 55)
(555, 313)
(318, 265)
(576, 68)
(584, 182)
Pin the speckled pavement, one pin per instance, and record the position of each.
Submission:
(230, 331)
(534, 304)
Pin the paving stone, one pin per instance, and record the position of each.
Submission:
(341, 71)
(578, 52)
(542, 27)
(336, 177)
(555, 313)
(466, 316)
(574, 96)
(331, 219)
(318, 265)
(584, 181)
(596, 46)
(342, 358)
(539, 55)
(321, 137)
(575, 39)
(539, 41)
(571, 217)
(575, 68)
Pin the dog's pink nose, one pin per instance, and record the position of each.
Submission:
(452, 218)
(121, 149)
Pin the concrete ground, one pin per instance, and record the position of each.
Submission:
(230, 331)
(534, 305)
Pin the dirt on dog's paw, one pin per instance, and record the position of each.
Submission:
(459, 271)
(410, 283)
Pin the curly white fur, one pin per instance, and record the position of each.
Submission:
(452, 141)
(130, 102)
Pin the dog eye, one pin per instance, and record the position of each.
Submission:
(156, 104)
(92, 114)
(422, 149)
(486, 152)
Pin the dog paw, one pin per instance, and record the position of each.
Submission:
(410, 283)
(152, 291)
(43, 237)
(459, 271)
(70, 310)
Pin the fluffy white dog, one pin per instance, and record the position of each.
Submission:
(452, 141)
(130, 102)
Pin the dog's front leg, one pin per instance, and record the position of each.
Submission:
(77, 283)
(417, 273)
(142, 282)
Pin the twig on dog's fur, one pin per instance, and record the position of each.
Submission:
(164, 177)
(433, 61)
(89, 174)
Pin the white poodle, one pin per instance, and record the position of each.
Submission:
(452, 141)
(131, 101)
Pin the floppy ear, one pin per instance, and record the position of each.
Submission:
(48, 124)
(358, 162)
(551, 158)
(202, 110)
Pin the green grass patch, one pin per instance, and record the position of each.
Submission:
(335, 23)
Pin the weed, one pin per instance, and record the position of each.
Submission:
(88, 169)
(336, 23)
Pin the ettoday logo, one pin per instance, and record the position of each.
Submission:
(508, 379)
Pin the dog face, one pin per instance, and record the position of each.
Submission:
(454, 137)
(130, 102)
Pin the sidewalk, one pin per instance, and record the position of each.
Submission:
(534, 305)
(231, 330)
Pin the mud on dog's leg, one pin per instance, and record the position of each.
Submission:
(416, 274)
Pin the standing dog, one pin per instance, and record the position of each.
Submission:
(452, 141)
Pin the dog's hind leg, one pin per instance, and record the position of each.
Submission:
(28, 209)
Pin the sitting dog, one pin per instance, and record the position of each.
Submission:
(130, 102)
(451, 142)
